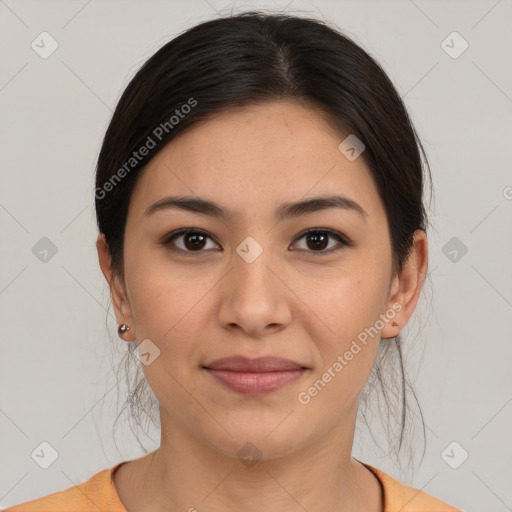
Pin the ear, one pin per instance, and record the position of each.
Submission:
(406, 287)
(118, 293)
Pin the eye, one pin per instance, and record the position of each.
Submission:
(190, 240)
(317, 240)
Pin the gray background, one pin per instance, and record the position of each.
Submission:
(57, 382)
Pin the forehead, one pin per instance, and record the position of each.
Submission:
(254, 157)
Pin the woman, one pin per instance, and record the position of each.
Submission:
(263, 233)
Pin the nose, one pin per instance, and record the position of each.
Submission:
(253, 297)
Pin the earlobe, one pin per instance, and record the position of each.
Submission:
(407, 286)
(120, 302)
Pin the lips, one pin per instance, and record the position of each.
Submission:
(254, 376)
(260, 364)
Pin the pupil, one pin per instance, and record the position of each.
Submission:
(194, 245)
(316, 238)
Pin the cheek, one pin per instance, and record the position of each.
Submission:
(167, 309)
(346, 343)
(346, 300)
(344, 307)
(165, 299)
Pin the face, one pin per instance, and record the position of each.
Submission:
(201, 286)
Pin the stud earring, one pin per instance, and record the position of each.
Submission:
(123, 328)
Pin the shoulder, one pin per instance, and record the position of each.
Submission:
(403, 498)
(97, 493)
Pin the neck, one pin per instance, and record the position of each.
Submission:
(193, 476)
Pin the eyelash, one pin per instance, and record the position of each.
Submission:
(344, 241)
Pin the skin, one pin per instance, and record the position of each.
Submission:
(288, 302)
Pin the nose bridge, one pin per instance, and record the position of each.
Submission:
(251, 263)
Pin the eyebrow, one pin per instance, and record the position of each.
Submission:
(285, 211)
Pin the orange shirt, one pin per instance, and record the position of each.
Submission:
(99, 493)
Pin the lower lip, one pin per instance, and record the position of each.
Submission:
(255, 383)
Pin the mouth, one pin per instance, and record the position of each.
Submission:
(254, 376)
